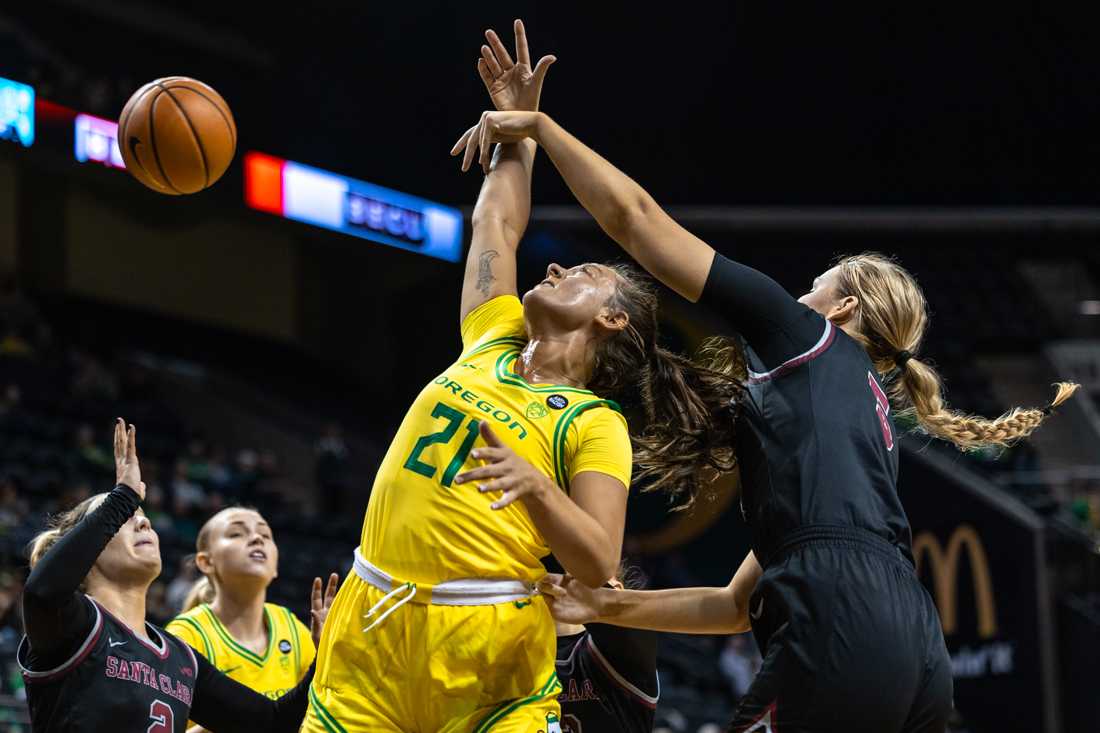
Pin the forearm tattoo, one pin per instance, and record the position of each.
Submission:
(485, 271)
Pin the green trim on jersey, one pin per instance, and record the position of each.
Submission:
(507, 376)
(327, 719)
(233, 644)
(210, 656)
(552, 687)
(296, 642)
(561, 434)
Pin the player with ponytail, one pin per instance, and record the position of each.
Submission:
(226, 617)
(851, 639)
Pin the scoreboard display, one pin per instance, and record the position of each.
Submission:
(16, 112)
(361, 209)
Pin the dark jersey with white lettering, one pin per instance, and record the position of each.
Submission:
(115, 680)
(609, 680)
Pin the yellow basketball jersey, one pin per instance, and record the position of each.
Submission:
(289, 653)
(421, 526)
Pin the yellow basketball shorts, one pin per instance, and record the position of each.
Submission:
(434, 668)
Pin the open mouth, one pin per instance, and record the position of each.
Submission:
(258, 555)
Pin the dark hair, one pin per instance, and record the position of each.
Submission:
(686, 404)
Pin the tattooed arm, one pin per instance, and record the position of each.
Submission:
(499, 220)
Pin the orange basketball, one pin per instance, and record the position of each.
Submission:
(176, 135)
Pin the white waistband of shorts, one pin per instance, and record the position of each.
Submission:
(464, 592)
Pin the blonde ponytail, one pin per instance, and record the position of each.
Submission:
(202, 591)
(892, 319)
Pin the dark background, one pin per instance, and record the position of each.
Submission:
(798, 106)
(705, 103)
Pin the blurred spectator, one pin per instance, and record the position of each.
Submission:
(73, 495)
(186, 494)
(13, 508)
(10, 399)
(156, 510)
(92, 381)
(739, 662)
(94, 456)
(331, 468)
(180, 586)
(157, 608)
(198, 468)
(220, 476)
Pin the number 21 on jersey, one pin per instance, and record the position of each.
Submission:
(454, 420)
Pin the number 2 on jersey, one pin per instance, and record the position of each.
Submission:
(163, 718)
(454, 420)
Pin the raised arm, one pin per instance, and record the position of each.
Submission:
(55, 612)
(772, 321)
(679, 610)
(499, 220)
(504, 204)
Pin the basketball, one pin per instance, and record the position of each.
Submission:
(176, 135)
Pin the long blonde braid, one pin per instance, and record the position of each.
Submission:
(892, 319)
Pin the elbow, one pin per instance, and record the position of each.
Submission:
(502, 227)
(629, 217)
(596, 574)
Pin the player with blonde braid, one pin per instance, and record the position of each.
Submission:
(892, 319)
(851, 639)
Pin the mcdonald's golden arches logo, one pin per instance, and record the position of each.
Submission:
(945, 572)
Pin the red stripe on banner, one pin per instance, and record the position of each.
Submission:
(263, 182)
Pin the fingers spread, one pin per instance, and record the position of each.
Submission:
(499, 50)
(491, 61)
(523, 56)
(483, 72)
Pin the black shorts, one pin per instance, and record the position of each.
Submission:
(851, 641)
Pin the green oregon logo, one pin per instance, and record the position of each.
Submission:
(535, 410)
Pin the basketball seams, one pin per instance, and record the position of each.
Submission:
(153, 142)
(194, 134)
(224, 113)
(124, 127)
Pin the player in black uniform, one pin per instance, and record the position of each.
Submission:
(608, 677)
(851, 639)
(90, 660)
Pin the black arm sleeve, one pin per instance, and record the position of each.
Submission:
(630, 652)
(773, 323)
(57, 616)
(226, 706)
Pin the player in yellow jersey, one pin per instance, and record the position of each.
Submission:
(513, 451)
(226, 617)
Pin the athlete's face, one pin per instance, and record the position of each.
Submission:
(132, 555)
(824, 297)
(575, 297)
(241, 549)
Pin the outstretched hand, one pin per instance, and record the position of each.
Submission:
(319, 606)
(570, 601)
(512, 85)
(504, 471)
(127, 469)
(495, 127)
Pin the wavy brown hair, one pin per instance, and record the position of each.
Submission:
(892, 318)
(686, 403)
